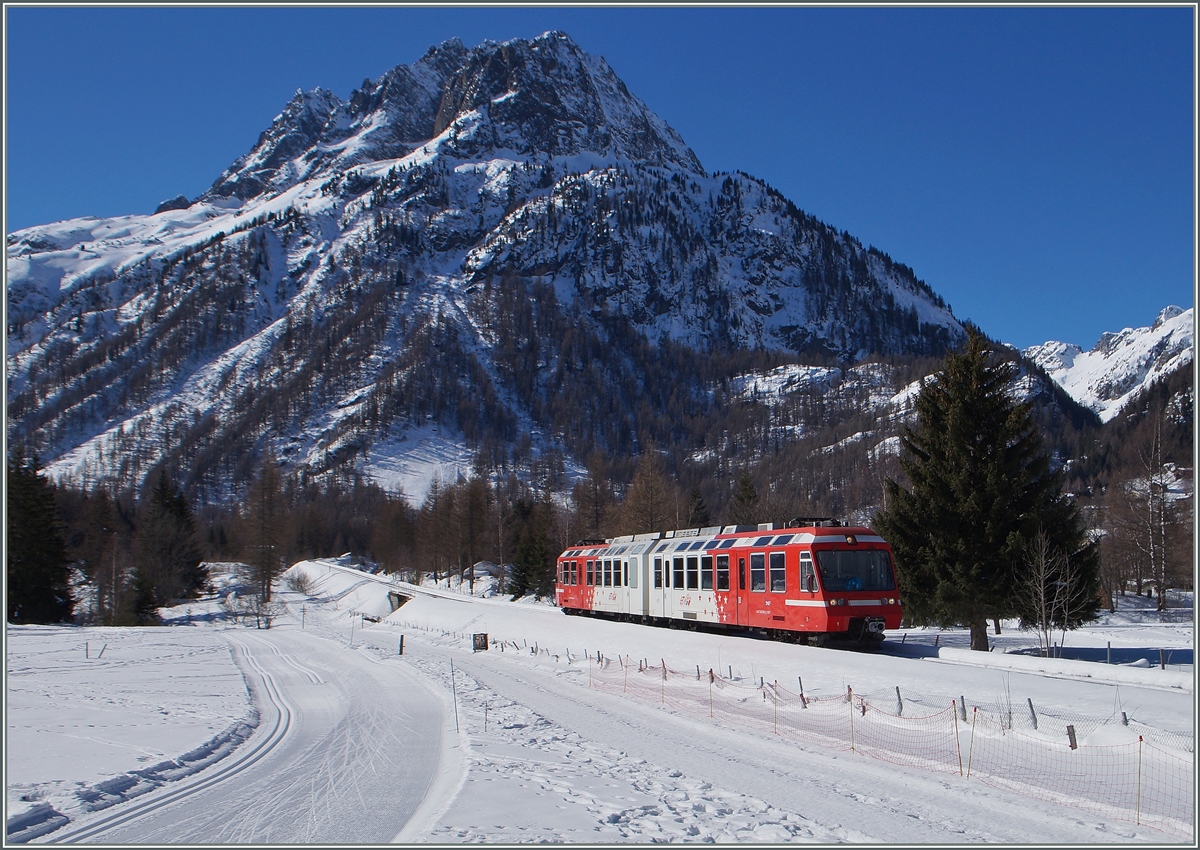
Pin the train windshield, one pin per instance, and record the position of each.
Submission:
(855, 569)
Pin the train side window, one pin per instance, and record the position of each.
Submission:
(722, 572)
(741, 573)
(606, 573)
(758, 571)
(625, 575)
(589, 573)
(778, 575)
(706, 573)
(677, 581)
(808, 580)
(574, 572)
(658, 572)
(693, 573)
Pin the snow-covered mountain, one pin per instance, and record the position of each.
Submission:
(503, 240)
(1121, 364)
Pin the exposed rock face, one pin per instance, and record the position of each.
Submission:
(179, 202)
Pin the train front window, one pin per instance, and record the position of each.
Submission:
(758, 571)
(693, 573)
(658, 571)
(706, 573)
(590, 571)
(855, 569)
(677, 580)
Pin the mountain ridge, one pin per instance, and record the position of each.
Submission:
(1121, 364)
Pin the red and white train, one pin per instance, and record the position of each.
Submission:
(813, 582)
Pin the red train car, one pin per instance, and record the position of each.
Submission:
(812, 582)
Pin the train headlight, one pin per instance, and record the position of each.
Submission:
(838, 601)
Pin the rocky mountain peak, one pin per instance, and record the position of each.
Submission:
(542, 96)
(1166, 315)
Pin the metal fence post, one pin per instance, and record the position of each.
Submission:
(850, 700)
(971, 748)
(957, 740)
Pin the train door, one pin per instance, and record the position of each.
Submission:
(658, 593)
(628, 582)
(644, 574)
(743, 590)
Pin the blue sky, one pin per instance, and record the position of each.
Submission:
(1035, 166)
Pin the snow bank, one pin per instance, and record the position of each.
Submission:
(1115, 673)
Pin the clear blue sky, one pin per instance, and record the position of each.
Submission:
(1034, 165)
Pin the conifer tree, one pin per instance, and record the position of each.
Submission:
(698, 516)
(36, 551)
(265, 527)
(980, 491)
(744, 508)
(533, 564)
(169, 559)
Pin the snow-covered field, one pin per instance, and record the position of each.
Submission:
(536, 742)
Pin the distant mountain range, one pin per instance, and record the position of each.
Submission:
(501, 242)
(1121, 364)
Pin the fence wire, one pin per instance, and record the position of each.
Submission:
(997, 742)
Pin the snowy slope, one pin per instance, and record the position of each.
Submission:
(1121, 364)
(540, 755)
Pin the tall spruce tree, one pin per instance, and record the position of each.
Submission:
(533, 563)
(698, 516)
(36, 550)
(743, 508)
(169, 559)
(265, 518)
(980, 491)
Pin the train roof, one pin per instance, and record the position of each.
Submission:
(723, 537)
